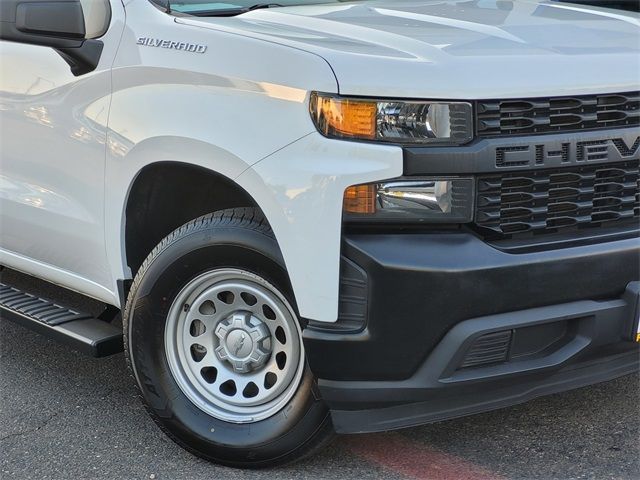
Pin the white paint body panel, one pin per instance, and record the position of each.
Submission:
(53, 130)
(458, 49)
(241, 109)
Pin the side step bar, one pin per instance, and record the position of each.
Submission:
(76, 329)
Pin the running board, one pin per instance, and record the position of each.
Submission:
(79, 330)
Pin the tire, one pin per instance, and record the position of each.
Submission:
(232, 249)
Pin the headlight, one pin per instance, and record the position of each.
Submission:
(439, 200)
(410, 122)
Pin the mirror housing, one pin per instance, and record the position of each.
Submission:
(59, 24)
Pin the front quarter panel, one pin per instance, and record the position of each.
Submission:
(300, 188)
(225, 109)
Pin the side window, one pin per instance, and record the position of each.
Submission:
(97, 15)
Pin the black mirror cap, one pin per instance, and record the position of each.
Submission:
(63, 19)
(58, 24)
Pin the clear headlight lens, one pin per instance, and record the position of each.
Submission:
(448, 200)
(409, 122)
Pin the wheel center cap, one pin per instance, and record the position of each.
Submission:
(239, 343)
(244, 342)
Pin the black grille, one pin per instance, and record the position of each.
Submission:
(557, 114)
(547, 201)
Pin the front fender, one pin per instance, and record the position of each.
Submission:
(300, 189)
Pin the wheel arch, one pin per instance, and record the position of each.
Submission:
(165, 195)
(130, 175)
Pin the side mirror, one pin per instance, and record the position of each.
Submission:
(59, 24)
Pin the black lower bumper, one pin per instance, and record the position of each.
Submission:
(453, 326)
(453, 403)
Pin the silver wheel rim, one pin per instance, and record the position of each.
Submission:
(234, 346)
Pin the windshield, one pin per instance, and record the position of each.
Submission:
(631, 5)
(234, 7)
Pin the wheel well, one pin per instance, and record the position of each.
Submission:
(165, 196)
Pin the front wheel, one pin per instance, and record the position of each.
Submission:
(215, 345)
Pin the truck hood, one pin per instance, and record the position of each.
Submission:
(466, 49)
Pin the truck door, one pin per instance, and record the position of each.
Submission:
(52, 155)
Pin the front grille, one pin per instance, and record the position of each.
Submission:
(553, 200)
(557, 114)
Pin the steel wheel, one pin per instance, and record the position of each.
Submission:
(221, 367)
(234, 346)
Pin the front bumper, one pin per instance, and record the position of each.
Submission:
(454, 326)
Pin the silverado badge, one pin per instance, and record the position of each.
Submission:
(183, 46)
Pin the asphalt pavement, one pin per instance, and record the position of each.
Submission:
(67, 416)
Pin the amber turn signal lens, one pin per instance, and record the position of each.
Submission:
(344, 118)
(360, 199)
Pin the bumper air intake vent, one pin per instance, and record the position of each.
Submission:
(488, 349)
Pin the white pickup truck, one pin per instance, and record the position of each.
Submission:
(319, 216)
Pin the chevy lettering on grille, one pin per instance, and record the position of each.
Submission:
(182, 46)
(558, 153)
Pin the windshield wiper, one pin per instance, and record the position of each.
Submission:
(258, 6)
(230, 12)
